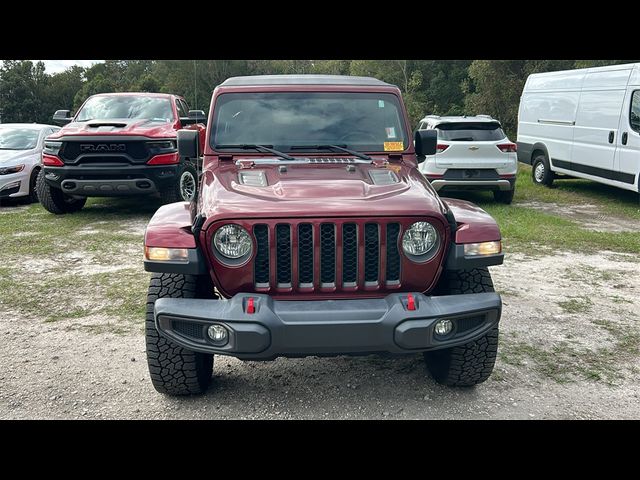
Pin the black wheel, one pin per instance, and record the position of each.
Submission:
(54, 200)
(473, 362)
(541, 171)
(175, 370)
(33, 194)
(184, 189)
(504, 196)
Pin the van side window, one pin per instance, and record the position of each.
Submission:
(634, 113)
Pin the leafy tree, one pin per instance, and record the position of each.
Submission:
(22, 91)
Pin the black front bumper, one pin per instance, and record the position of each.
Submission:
(109, 181)
(326, 327)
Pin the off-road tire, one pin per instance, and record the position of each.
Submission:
(174, 370)
(504, 196)
(54, 200)
(472, 363)
(173, 192)
(33, 180)
(544, 176)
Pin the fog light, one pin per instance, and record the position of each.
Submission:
(444, 327)
(218, 334)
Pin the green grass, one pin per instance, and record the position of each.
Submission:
(566, 363)
(535, 232)
(576, 305)
(99, 235)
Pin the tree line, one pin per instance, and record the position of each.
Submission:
(438, 87)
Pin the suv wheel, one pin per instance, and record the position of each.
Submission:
(541, 172)
(175, 370)
(184, 189)
(504, 196)
(55, 200)
(473, 362)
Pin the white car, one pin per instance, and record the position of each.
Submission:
(473, 153)
(21, 158)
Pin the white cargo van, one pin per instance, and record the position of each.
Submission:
(582, 123)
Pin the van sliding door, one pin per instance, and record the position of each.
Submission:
(596, 130)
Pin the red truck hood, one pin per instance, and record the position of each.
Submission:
(124, 126)
(317, 190)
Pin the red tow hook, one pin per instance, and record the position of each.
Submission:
(411, 302)
(251, 308)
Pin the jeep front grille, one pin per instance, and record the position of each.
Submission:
(326, 256)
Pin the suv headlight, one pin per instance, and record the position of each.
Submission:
(420, 242)
(233, 242)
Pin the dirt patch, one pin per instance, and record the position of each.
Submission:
(554, 362)
(589, 216)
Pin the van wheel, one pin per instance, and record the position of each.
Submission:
(541, 173)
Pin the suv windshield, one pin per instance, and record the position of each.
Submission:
(18, 138)
(470, 132)
(360, 121)
(126, 106)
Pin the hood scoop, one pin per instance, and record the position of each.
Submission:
(252, 178)
(383, 177)
(107, 124)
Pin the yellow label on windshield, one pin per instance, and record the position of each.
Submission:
(393, 146)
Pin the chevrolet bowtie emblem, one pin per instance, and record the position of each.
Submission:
(474, 148)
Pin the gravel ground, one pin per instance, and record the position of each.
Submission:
(568, 349)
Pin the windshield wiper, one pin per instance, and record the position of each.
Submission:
(332, 147)
(260, 148)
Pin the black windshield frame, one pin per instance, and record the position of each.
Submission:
(397, 115)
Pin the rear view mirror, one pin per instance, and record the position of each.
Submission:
(426, 142)
(188, 143)
(195, 116)
(62, 117)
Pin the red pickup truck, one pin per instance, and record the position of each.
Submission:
(119, 144)
(314, 233)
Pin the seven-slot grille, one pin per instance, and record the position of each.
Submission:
(316, 256)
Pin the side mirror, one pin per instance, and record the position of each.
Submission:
(62, 117)
(188, 143)
(426, 142)
(195, 116)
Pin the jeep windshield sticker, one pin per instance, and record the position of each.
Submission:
(391, 132)
(393, 146)
(380, 103)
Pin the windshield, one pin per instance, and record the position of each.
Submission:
(126, 106)
(360, 121)
(18, 138)
(470, 132)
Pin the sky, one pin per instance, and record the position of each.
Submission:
(55, 66)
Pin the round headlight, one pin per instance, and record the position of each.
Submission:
(419, 240)
(232, 241)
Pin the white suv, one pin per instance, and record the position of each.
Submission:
(473, 153)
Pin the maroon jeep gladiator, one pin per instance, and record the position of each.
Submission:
(119, 144)
(314, 233)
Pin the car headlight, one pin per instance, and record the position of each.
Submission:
(232, 241)
(9, 170)
(420, 242)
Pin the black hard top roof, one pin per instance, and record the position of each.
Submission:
(302, 80)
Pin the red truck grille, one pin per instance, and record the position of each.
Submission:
(326, 256)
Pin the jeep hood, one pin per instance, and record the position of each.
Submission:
(317, 190)
(122, 126)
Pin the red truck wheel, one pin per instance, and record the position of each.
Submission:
(473, 362)
(174, 370)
